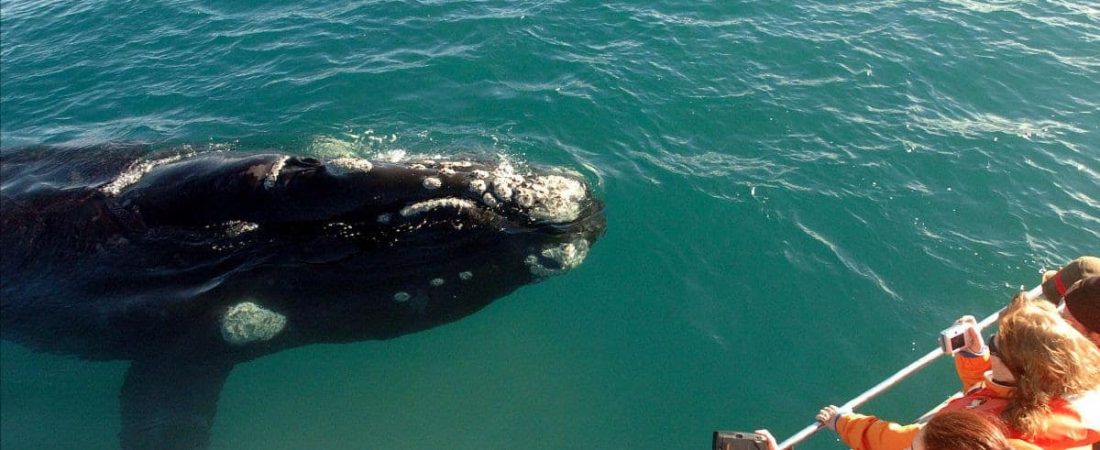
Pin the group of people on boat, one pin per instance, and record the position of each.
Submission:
(1035, 384)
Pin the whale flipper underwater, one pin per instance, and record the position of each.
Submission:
(187, 264)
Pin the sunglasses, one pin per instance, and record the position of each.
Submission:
(993, 346)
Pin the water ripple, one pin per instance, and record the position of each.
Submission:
(869, 149)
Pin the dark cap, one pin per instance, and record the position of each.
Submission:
(1056, 286)
(1083, 301)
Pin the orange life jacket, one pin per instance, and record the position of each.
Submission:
(1073, 423)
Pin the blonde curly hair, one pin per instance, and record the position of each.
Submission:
(1048, 358)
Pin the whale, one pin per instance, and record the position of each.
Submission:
(188, 262)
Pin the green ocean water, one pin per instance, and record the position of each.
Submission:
(800, 196)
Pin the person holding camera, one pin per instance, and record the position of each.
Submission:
(1038, 376)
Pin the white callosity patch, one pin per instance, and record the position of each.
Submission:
(450, 164)
(437, 282)
(248, 322)
(134, 173)
(477, 186)
(551, 198)
(489, 200)
(446, 171)
(506, 172)
(465, 276)
(429, 205)
(504, 179)
(401, 297)
(432, 183)
(525, 198)
(503, 191)
(385, 218)
(235, 228)
(273, 175)
(344, 166)
(567, 256)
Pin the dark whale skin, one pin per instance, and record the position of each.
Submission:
(187, 263)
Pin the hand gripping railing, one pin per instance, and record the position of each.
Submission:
(894, 379)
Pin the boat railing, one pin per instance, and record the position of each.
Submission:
(893, 380)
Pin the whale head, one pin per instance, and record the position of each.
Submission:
(348, 249)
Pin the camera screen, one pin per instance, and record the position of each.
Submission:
(958, 341)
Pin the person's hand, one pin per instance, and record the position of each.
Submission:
(975, 343)
(828, 416)
(769, 440)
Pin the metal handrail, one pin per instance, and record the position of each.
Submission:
(894, 379)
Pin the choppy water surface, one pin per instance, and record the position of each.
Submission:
(800, 196)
